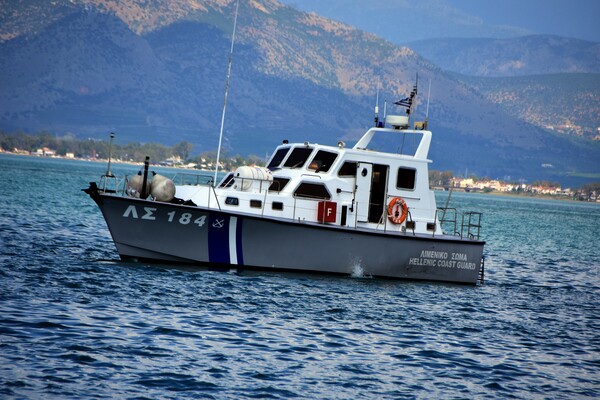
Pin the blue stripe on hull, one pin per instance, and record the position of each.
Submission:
(218, 238)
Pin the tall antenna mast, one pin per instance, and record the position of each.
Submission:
(428, 96)
(237, 5)
(427, 109)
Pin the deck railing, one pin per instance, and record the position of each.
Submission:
(470, 225)
(191, 178)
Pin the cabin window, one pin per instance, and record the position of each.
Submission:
(232, 201)
(406, 178)
(228, 181)
(298, 157)
(256, 203)
(313, 191)
(348, 169)
(277, 205)
(278, 184)
(277, 158)
(322, 161)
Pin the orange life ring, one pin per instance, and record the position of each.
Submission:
(394, 214)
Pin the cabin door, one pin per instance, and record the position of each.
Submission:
(362, 194)
(371, 189)
(378, 193)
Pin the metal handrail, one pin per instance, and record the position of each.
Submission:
(470, 225)
(212, 188)
(473, 222)
(409, 216)
(104, 183)
(196, 175)
(452, 219)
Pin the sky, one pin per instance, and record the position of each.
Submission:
(571, 18)
(466, 18)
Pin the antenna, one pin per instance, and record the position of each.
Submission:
(428, 96)
(427, 109)
(237, 5)
(413, 94)
(377, 108)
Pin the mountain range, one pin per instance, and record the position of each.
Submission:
(526, 55)
(155, 71)
(401, 21)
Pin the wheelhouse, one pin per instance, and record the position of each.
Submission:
(360, 181)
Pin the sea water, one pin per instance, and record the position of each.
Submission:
(75, 322)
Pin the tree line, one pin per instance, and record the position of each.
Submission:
(133, 152)
(91, 148)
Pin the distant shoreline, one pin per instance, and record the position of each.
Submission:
(94, 160)
(521, 195)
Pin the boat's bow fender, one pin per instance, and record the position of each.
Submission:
(135, 184)
(162, 188)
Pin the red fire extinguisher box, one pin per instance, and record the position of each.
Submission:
(327, 211)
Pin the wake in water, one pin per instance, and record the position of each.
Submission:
(357, 270)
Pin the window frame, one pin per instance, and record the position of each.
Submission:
(254, 203)
(312, 196)
(414, 182)
(274, 157)
(344, 165)
(298, 160)
(277, 179)
(323, 167)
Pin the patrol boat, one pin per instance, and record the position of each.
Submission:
(328, 209)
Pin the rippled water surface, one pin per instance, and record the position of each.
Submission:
(77, 323)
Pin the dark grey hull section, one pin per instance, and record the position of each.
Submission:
(187, 234)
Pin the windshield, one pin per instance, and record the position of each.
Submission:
(277, 158)
(298, 157)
